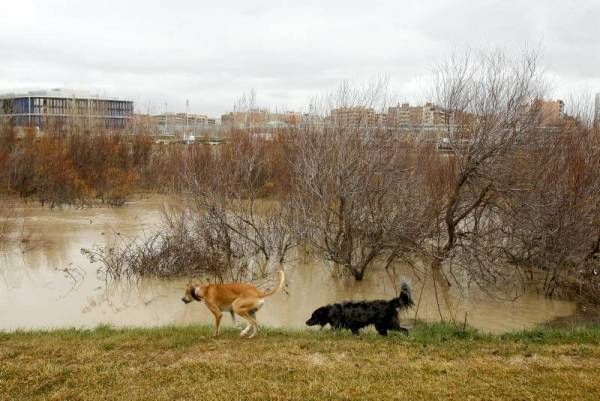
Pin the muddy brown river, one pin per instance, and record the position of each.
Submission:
(37, 292)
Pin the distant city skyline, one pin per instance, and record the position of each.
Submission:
(160, 54)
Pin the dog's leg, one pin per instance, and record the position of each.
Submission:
(251, 323)
(254, 325)
(218, 314)
(237, 306)
(252, 315)
(400, 328)
(246, 329)
(248, 326)
(381, 330)
(395, 326)
(233, 318)
(218, 323)
(246, 307)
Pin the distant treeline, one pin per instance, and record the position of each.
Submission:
(79, 169)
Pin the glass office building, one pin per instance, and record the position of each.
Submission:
(60, 108)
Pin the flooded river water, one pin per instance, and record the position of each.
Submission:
(37, 292)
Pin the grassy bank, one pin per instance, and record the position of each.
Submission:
(432, 362)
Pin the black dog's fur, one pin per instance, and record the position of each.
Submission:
(356, 315)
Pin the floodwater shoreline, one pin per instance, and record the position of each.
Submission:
(36, 291)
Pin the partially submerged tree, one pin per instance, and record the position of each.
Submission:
(227, 190)
(486, 104)
(348, 183)
(555, 224)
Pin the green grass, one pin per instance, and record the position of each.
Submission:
(434, 361)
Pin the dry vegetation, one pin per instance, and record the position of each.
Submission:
(509, 196)
(508, 199)
(433, 362)
(80, 169)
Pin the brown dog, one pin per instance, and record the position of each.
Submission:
(243, 299)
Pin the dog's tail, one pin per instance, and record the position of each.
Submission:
(279, 286)
(404, 300)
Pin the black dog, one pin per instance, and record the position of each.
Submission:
(356, 315)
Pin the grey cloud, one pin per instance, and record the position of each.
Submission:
(157, 52)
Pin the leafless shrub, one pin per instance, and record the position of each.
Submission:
(181, 248)
(488, 118)
(555, 224)
(228, 230)
(348, 198)
(351, 181)
(228, 191)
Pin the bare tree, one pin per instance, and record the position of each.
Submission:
(228, 190)
(486, 105)
(347, 192)
(555, 224)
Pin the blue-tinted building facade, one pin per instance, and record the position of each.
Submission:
(58, 109)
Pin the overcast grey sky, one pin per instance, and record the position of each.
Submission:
(156, 51)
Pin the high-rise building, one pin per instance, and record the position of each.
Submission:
(405, 117)
(252, 118)
(355, 117)
(549, 112)
(59, 108)
(433, 116)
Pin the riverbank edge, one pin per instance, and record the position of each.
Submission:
(422, 332)
(433, 362)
